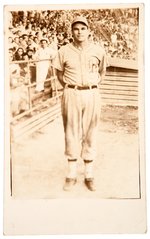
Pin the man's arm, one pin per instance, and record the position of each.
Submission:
(60, 77)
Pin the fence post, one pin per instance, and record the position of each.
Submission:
(54, 80)
(29, 85)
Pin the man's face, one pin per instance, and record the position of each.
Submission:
(43, 44)
(20, 39)
(80, 32)
(30, 53)
(16, 39)
(19, 33)
(25, 38)
(10, 39)
(10, 56)
(50, 39)
(60, 37)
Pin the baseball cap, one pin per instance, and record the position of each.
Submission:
(44, 39)
(80, 19)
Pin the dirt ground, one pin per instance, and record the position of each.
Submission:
(39, 165)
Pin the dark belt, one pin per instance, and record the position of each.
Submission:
(76, 87)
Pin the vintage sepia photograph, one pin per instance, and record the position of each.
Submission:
(74, 105)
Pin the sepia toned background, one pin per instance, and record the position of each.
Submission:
(38, 166)
(108, 126)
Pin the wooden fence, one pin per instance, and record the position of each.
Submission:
(120, 86)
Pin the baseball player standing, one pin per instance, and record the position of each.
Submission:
(81, 66)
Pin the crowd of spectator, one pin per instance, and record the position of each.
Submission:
(115, 29)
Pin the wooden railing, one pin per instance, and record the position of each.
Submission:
(120, 87)
(43, 107)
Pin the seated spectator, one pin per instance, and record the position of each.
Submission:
(22, 43)
(32, 65)
(29, 54)
(32, 45)
(52, 43)
(18, 91)
(60, 38)
(11, 52)
(10, 42)
(20, 56)
(16, 43)
(14, 72)
(35, 39)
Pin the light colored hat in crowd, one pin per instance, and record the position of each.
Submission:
(80, 19)
(44, 39)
